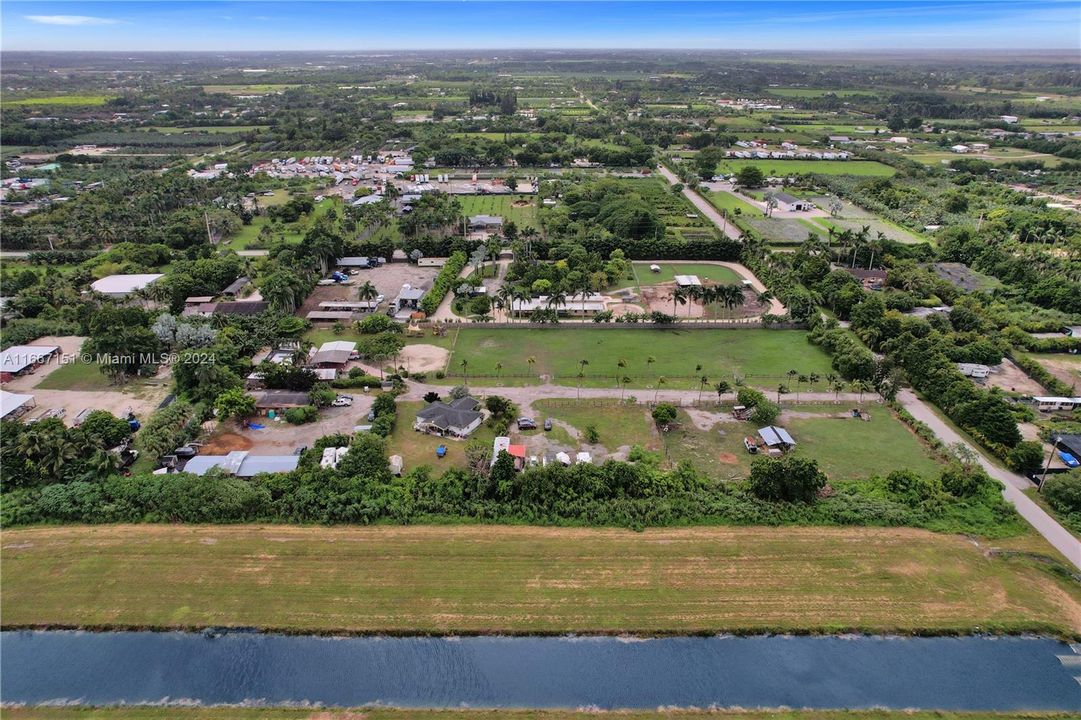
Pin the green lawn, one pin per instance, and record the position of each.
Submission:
(781, 168)
(729, 202)
(78, 376)
(504, 206)
(704, 271)
(418, 448)
(721, 353)
(617, 424)
(62, 100)
(499, 579)
(803, 92)
(294, 232)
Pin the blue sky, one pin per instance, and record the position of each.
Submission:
(408, 24)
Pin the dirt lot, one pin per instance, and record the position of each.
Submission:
(388, 280)
(1066, 368)
(279, 437)
(659, 298)
(423, 358)
(138, 396)
(1011, 378)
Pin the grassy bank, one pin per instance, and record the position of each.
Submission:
(527, 580)
(248, 713)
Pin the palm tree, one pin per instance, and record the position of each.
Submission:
(498, 369)
(799, 381)
(623, 383)
(694, 292)
(367, 292)
(813, 379)
(722, 387)
(660, 381)
(620, 364)
(465, 371)
(791, 374)
(861, 386)
(581, 374)
(781, 390)
(702, 382)
(837, 388)
(679, 295)
(557, 299)
(531, 361)
(505, 299)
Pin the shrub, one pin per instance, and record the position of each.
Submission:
(788, 478)
(377, 323)
(1063, 492)
(1026, 457)
(664, 414)
(443, 283)
(591, 435)
(765, 412)
(301, 415)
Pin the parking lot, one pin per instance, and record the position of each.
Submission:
(387, 279)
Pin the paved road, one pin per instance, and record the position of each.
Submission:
(703, 206)
(1012, 483)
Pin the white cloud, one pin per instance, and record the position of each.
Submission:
(70, 20)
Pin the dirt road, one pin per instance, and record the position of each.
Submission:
(703, 206)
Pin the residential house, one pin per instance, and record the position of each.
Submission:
(458, 418)
(503, 444)
(960, 149)
(486, 223)
(236, 287)
(335, 353)
(279, 400)
(870, 279)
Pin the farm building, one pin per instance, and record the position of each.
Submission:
(974, 370)
(776, 437)
(408, 300)
(13, 405)
(1050, 404)
(241, 463)
(20, 359)
(790, 203)
(236, 287)
(354, 261)
(592, 305)
(686, 281)
(960, 149)
(330, 316)
(458, 418)
(278, 400)
(355, 306)
(335, 352)
(119, 286)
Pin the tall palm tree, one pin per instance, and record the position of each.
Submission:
(556, 300)
(679, 295)
(531, 361)
(465, 371)
(837, 388)
(367, 292)
(623, 383)
(722, 387)
(660, 381)
(791, 374)
(620, 365)
(813, 379)
(581, 374)
(498, 370)
(781, 390)
(695, 293)
(702, 382)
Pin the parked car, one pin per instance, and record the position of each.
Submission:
(371, 415)
(525, 423)
(547, 423)
(343, 401)
(751, 444)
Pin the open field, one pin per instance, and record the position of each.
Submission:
(704, 271)
(504, 206)
(379, 713)
(78, 376)
(779, 168)
(727, 201)
(557, 351)
(252, 89)
(994, 155)
(496, 579)
(70, 100)
(1064, 366)
(293, 232)
(805, 92)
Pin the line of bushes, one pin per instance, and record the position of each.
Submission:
(1039, 373)
(444, 282)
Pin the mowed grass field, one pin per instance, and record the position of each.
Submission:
(704, 271)
(727, 201)
(144, 712)
(501, 579)
(502, 205)
(70, 100)
(675, 353)
(780, 168)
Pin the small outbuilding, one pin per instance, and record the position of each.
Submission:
(776, 437)
(120, 286)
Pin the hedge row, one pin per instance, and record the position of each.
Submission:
(444, 281)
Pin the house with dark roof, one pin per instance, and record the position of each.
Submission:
(278, 400)
(458, 418)
(236, 287)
